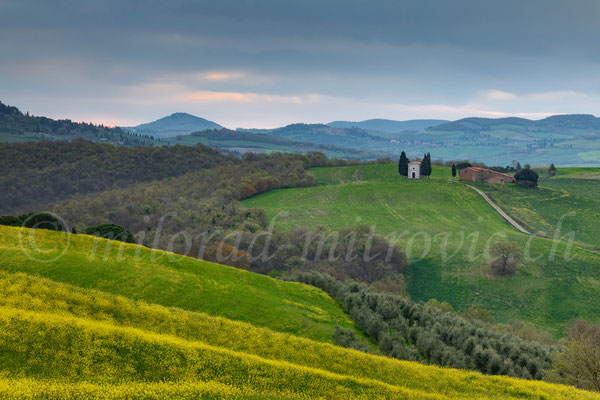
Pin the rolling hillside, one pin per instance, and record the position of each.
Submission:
(67, 336)
(568, 140)
(444, 227)
(324, 134)
(172, 280)
(243, 142)
(17, 127)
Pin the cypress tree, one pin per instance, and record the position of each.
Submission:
(403, 164)
(429, 165)
(453, 171)
(426, 165)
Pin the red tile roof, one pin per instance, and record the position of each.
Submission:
(476, 169)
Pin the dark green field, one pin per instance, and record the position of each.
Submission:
(444, 227)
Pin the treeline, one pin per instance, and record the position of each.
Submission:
(409, 331)
(35, 173)
(354, 253)
(13, 121)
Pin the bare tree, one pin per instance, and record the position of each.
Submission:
(483, 175)
(578, 363)
(505, 258)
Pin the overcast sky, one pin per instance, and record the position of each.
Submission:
(274, 62)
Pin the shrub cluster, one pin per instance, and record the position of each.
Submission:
(111, 231)
(527, 178)
(38, 220)
(349, 253)
(411, 331)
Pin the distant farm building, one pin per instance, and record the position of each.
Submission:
(476, 174)
(414, 169)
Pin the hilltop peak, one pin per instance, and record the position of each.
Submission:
(178, 123)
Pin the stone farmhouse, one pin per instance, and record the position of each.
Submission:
(476, 174)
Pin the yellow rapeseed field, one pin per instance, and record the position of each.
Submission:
(60, 341)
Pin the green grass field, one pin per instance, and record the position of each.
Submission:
(572, 202)
(63, 340)
(445, 227)
(169, 280)
(578, 173)
(340, 175)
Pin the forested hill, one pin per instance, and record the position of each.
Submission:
(566, 123)
(233, 140)
(16, 126)
(37, 173)
(173, 125)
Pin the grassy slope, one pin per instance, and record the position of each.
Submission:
(544, 208)
(578, 173)
(61, 341)
(334, 176)
(547, 292)
(163, 278)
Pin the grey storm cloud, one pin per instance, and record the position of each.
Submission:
(91, 57)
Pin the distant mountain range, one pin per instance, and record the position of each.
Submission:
(565, 140)
(388, 125)
(555, 122)
(173, 125)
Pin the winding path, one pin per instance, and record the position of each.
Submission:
(500, 211)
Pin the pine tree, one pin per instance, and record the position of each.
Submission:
(518, 166)
(403, 164)
(453, 171)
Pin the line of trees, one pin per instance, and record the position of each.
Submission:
(410, 331)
